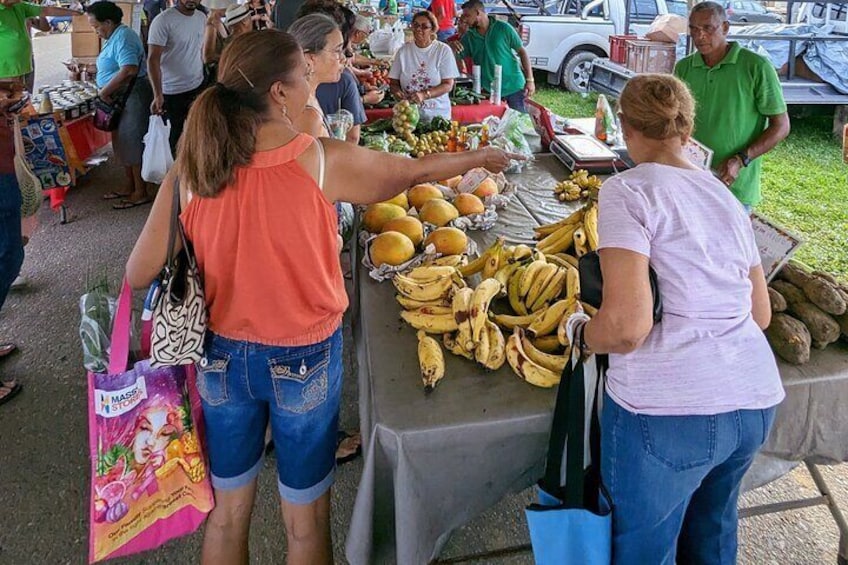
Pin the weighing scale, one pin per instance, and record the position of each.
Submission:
(587, 152)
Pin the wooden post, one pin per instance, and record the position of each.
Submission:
(840, 118)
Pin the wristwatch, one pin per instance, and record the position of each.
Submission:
(743, 156)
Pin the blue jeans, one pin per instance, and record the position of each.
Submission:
(443, 35)
(245, 385)
(11, 243)
(516, 100)
(674, 482)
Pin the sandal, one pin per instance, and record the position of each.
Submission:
(9, 390)
(127, 204)
(7, 349)
(343, 447)
(115, 195)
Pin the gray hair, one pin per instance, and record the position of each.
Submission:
(714, 8)
(362, 24)
(311, 31)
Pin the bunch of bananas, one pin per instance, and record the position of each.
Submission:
(579, 185)
(579, 230)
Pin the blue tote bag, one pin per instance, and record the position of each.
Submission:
(572, 524)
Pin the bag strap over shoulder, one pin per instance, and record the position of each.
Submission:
(119, 348)
(175, 224)
(320, 163)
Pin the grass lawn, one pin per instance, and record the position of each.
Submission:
(805, 183)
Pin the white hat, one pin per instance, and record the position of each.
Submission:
(235, 14)
(218, 4)
(362, 24)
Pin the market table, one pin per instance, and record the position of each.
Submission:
(463, 113)
(434, 462)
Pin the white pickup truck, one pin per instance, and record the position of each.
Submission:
(565, 43)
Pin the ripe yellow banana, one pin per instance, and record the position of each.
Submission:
(461, 306)
(477, 264)
(547, 344)
(589, 309)
(409, 304)
(533, 270)
(430, 323)
(569, 259)
(555, 363)
(555, 236)
(581, 247)
(505, 272)
(480, 300)
(421, 291)
(557, 260)
(493, 259)
(512, 289)
(449, 261)
(481, 351)
(538, 255)
(521, 253)
(572, 283)
(436, 310)
(452, 344)
(497, 347)
(548, 321)
(525, 367)
(548, 229)
(562, 337)
(431, 360)
(542, 280)
(552, 291)
(590, 226)
(428, 273)
(508, 322)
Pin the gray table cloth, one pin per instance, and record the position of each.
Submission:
(433, 463)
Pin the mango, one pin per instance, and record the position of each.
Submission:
(408, 226)
(438, 212)
(391, 248)
(448, 241)
(376, 215)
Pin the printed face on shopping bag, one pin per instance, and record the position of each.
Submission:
(154, 431)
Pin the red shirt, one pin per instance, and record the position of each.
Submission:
(449, 9)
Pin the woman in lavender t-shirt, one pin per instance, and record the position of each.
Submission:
(691, 399)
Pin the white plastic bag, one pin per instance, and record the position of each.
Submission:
(157, 158)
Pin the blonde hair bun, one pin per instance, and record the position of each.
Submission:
(658, 106)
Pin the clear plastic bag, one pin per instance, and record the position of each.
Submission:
(97, 309)
(156, 159)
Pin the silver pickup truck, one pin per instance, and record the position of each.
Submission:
(566, 42)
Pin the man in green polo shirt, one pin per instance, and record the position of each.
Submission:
(740, 111)
(491, 42)
(15, 44)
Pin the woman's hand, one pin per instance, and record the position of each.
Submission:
(416, 97)
(373, 97)
(497, 160)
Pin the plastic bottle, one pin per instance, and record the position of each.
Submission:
(451, 145)
(484, 136)
(462, 141)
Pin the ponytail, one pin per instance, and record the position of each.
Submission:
(220, 132)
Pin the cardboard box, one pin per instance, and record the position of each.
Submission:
(80, 24)
(85, 44)
(132, 15)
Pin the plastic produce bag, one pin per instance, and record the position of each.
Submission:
(387, 41)
(157, 158)
(97, 308)
(507, 133)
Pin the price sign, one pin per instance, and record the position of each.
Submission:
(776, 244)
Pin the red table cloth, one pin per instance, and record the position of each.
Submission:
(464, 114)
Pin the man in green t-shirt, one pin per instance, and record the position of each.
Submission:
(740, 112)
(491, 42)
(15, 44)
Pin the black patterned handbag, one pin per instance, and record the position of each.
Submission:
(107, 115)
(179, 311)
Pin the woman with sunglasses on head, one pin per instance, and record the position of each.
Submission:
(257, 200)
(424, 70)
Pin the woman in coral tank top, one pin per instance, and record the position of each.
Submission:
(257, 204)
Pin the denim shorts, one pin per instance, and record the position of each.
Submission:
(245, 385)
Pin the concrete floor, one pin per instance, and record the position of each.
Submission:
(43, 443)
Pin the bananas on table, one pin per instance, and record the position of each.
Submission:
(579, 185)
(517, 311)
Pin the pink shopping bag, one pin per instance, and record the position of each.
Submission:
(149, 474)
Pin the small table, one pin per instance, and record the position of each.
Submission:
(432, 463)
(462, 113)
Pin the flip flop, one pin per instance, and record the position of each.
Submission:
(13, 387)
(114, 195)
(7, 349)
(342, 436)
(127, 204)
